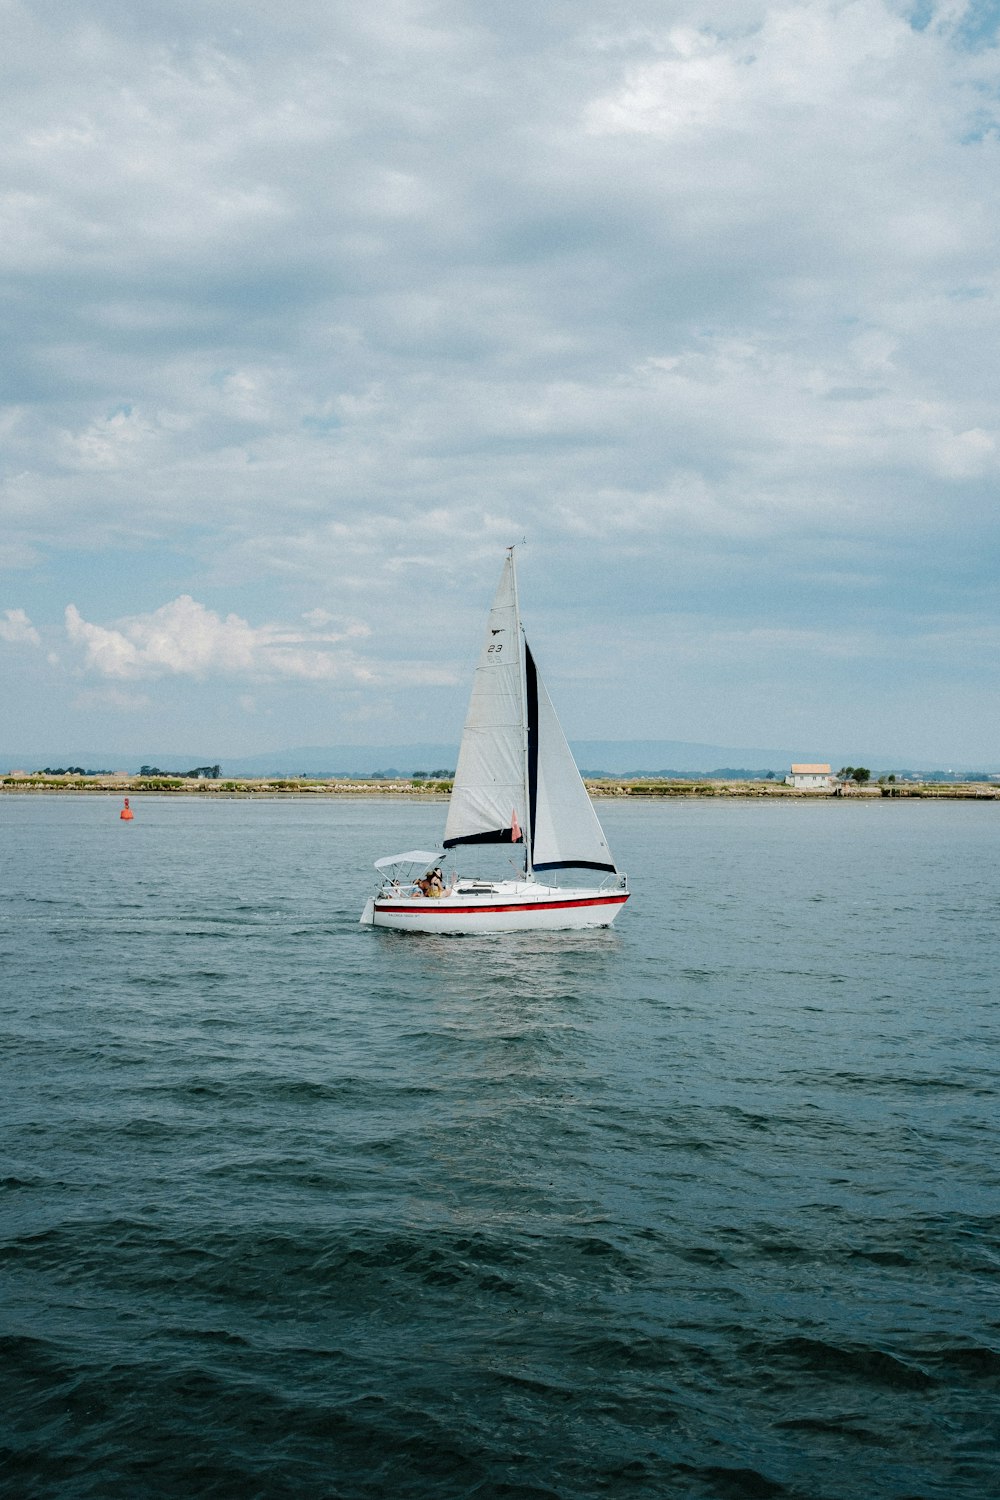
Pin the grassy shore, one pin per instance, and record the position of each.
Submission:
(645, 787)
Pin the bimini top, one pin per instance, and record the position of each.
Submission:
(412, 857)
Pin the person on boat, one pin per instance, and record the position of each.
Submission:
(423, 885)
(435, 884)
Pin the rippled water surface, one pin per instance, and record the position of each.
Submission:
(707, 1205)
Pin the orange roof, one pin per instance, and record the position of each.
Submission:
(810, 770)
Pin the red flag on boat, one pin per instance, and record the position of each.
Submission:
(515, 827)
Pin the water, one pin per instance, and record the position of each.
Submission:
(704, 1206)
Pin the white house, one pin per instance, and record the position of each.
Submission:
(811, 778)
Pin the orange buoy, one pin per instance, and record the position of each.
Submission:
(126, 812)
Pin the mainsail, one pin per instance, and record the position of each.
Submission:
(516, 776)
(489, 779)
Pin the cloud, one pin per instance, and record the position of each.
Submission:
(17, 629)
(327, 305)
(184, 639)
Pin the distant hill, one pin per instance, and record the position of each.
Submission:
(645, 757)
(615, 757)
(350, 760)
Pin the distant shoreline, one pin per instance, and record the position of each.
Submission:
(644, 788)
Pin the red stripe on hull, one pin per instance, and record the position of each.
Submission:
(429, 907)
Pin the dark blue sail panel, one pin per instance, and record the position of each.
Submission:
(575, 864)
(490, 836)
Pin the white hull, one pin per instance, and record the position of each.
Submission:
(499, 906)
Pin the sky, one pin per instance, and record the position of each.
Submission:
(310, 310)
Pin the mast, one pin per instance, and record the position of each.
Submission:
(523, 675)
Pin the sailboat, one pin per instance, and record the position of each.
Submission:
(516, 783)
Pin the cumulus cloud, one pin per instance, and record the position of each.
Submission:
(17, 629)
(184, 639)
